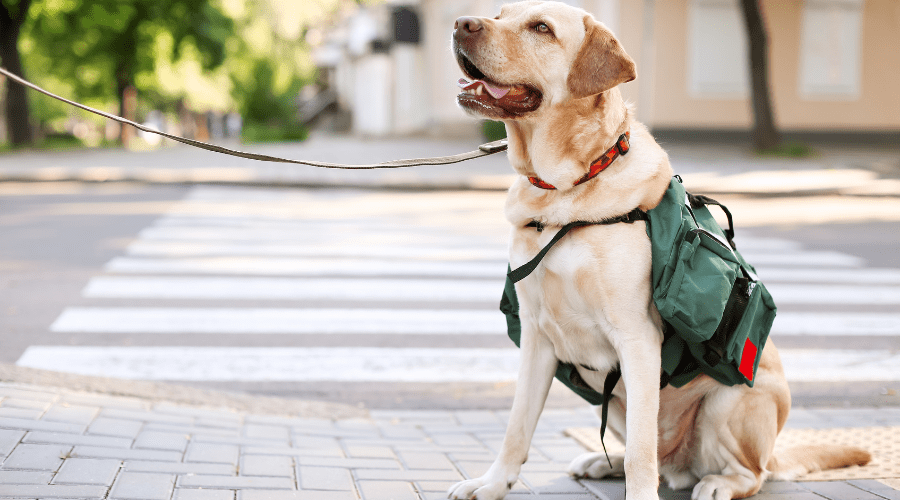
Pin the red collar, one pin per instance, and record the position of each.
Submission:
(621, 147)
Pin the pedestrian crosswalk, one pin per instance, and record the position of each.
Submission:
(389, 273)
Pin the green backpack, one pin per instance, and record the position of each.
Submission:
(717, 314)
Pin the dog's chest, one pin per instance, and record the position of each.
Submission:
(569, 298)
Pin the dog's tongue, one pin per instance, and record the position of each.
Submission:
(496, 91)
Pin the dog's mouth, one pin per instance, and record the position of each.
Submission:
(490, 99)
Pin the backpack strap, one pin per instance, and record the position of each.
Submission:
(698, 200)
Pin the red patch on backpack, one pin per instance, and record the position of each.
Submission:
(748, 359)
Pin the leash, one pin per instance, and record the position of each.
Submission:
(483, 150)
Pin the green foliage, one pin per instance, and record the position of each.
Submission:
(262, 99)
(256, 132)
(493, 131)
(98, 47)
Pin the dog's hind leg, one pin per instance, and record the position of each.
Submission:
(538, 365)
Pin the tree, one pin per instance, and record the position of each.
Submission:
(765, 133)
(100, 45)
(13, 14)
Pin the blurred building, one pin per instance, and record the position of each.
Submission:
(835, 67)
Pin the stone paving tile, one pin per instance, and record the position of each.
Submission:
(74, 439)
(607, 490)
(40, 425)
(267, 432)
(126, 454)
(190, 411)
(877, 488)
(105, 401)
(795, 495)
(359, 451)
(400, 431)
(235, 482)
(418, 460)
(296, 495)
(838, 491)
(213, 453)
(330, 445)
(380, 490)
(37, 457)
(349, 463)
(483, 417)
(474, 469)
(237, 440)
(432, 486)
(319, 454)
(203, 494)
(23, 393)
(190, 429)
(267, 465)
(324, 478)
(105, 426)
(146, 416)
(407, 475)
(456, 440)
(46, 492)
(88, 471)
(157, 440)
(218, 423)
(550, 482)
(71, 414)
(28, 404)
(780, 487)
(180, 467)
(23, 413)
(8, 440)
(25, 477)
(545, 496)
(275, 420)
(143, 486)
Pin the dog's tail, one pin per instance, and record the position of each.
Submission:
(796, 461)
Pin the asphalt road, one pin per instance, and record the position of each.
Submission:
(197, 284)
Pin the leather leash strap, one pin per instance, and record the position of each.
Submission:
(483, 150)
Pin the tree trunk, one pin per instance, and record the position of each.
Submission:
(17, 120)
(765, 133)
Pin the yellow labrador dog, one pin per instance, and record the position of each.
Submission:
(550, 72)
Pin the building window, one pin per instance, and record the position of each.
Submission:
(717, 44)
(830, 48)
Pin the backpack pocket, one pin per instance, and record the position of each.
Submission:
(704, 275)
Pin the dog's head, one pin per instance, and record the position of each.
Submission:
(533, 56)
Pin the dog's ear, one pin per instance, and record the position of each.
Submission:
(601, 63)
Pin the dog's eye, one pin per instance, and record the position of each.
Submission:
(542, 28)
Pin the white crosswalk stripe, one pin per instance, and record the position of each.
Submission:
(417, 266)
(282, 321)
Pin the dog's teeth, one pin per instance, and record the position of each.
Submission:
(479, 90)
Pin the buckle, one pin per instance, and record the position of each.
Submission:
(623, 145)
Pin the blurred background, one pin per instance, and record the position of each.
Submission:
(268, 70)
(125, 256)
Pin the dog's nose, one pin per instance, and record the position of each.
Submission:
(468, 24)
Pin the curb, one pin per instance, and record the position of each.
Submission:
(180, 394)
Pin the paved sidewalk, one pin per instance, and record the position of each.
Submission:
(59, 443)
(708, 168)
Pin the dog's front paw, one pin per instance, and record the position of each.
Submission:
(713, 487)
(595, 466)
(480, 488)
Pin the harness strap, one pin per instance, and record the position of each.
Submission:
(522, 272)
(612, 378)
